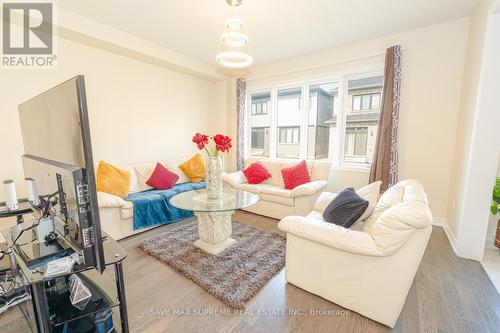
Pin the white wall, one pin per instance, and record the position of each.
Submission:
(138, 111)
(482, 149)
(433, 63)
(467, 110)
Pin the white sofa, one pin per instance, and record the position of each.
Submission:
(117, 214)
(368, 271)
(275, 201)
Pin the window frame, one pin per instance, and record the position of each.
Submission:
(305, 82)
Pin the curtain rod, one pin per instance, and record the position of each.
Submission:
(318, 66)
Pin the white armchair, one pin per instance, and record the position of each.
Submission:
(368, 271)
(275, 201)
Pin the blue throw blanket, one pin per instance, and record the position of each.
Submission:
(153, 207)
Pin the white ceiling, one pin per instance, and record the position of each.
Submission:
(277, 28)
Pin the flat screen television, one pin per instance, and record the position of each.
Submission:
(58, 156)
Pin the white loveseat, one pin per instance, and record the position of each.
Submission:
(368, 271)
(275, 201)
(117, 214)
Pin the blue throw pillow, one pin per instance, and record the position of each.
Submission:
(345, 209)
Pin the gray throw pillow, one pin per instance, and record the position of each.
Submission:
(345, 209)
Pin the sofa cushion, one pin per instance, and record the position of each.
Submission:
(112, 180)
(370, 193)
(106, 200)
(287, 201)
(274, 168)
(256, 173)
(234, 178)
(288, 164)
(162, 178)
(323, 200)
(295, 175)
(250, 188)
(173, 166)
(142, 174)
(345, 209)
(194, 168)
(310, 188)
(275, 190)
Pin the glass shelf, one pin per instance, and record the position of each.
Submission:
(60, 310)
(31, 252)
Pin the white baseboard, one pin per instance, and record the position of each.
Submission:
(440, 222)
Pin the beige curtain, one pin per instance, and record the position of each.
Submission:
(385, 160)
(241, 92)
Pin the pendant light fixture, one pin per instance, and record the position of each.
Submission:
(234, 42)
(234, 3)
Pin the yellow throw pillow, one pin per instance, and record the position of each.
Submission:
(194, 168)
(112, 180)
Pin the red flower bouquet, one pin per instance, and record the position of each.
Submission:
(222, 143)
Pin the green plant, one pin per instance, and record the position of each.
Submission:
(495, 197)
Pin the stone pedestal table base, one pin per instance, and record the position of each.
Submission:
(214, 231)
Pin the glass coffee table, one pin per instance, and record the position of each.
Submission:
(214, 215)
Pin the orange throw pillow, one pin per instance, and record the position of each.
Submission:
(112, 180)
(194, 168)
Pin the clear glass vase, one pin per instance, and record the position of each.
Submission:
(215, 166)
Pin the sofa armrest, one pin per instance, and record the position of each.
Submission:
(331, 235)
(309, 188)
(106, 200)
(234, 178)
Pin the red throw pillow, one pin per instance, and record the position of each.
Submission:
(295, 175)
(256, 173)
(162, 178)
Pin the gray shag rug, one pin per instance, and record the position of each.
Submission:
(236, 274)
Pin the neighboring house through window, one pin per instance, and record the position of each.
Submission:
(260, 122)
(289, 135)
(259, 137)
(334, 119)
(365, 102)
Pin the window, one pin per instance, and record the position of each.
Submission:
(361, 127)
(321, 124)
(365, 102)
(260, 103)
(259, 136)
(289, 120)
(289, 135)
(260, 123)
(333, 119)
(259, 108)
(355, 144)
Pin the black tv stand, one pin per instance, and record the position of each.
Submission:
(50, 304)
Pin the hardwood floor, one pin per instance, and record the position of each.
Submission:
(449, 294)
